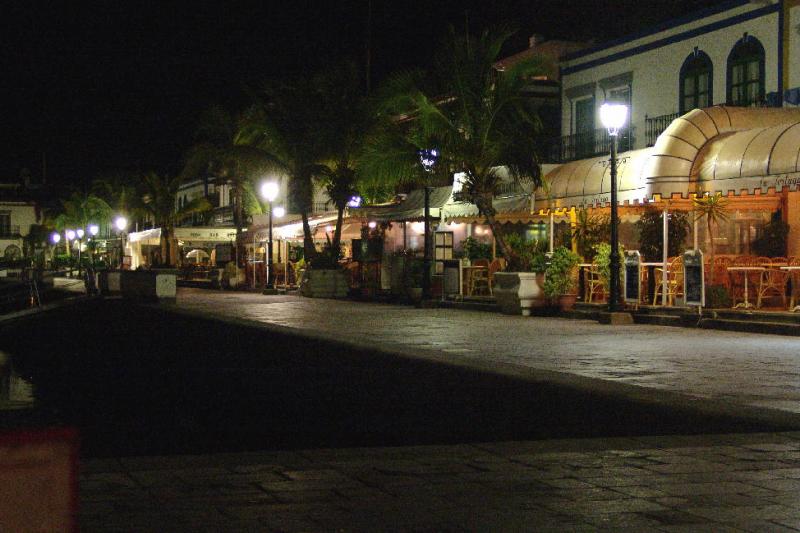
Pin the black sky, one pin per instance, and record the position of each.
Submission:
(118, 85)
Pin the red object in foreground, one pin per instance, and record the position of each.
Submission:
(39, 480)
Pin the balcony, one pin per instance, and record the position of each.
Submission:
(655, 126)
(589, 144)
(9, 232)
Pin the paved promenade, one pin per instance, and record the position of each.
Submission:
(679, 484)
(731, 369)
(720, 483)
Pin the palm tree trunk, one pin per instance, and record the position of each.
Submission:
(308, 241)
(485, 206)
(337, 233)
(238, 209)
(713, 276)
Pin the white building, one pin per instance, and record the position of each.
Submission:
(16, 219)
(739, 53)
(221, 197)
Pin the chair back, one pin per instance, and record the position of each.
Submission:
(794, 261)
(494, 266)
(779, 261)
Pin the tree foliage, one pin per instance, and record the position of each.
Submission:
(477, 117)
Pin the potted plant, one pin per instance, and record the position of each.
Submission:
(520, 288)
(560, 278)
(324, 277)
(412, 278)
(603, 260)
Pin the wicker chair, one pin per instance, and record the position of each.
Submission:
(479, 278)
(773, 280)
(593, 284)
(674, 281)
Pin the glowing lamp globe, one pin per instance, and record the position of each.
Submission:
(269, 191)
(279, 211)
(80, 233)
(372, 224)
(613, 116)
(56, 238)
(70, 234)
(94, 229)
(121, 223)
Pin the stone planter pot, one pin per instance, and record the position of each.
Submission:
(566, 302)
(518, 292)
(324, 283)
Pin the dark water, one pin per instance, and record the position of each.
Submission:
(138, 380)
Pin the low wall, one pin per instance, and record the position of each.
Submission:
(145, 285)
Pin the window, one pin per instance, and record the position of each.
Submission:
(5, 222)
(696, 82)
(584, 127)
(746, 72)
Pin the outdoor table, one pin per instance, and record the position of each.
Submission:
(468, 272)
(651, 278)
(793, 271)
(745, 270)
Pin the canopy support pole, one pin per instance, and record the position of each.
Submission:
(573, 225)
(665, 254)
(552, 216)
(694, 233)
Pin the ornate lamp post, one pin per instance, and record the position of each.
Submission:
(269, 191)
(613, 117)
(428, 159)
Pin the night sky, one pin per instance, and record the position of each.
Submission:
(114, 86)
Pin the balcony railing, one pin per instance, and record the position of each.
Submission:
(589, 144)
(9, 232)
(655, 126)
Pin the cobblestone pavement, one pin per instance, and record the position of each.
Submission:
(681, 484)
(760, 371)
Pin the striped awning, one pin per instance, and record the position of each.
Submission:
(510, 209)
(411, 208)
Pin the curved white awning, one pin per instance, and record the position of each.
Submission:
(717, 149)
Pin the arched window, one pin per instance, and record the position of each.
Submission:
(746, 72)
(696, 89)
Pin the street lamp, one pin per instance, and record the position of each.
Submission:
(80, 233)
(121, 223)
(613, 117)
(269, 191)
(428, 159)
(94, 229)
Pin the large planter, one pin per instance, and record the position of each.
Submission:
(566, 302)
(518, 292)
(324, 283)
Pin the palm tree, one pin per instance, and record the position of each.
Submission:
(283, 126)
(478, 118)
(715, 210)
(224, 151)
(342, 121)
(158, 196)
(80, 210)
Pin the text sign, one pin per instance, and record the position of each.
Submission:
(694, 288)
(632, 282)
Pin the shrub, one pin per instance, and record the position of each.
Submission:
(560, 274)
(717, 297)
(530, 255)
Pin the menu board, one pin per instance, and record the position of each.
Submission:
(632, 283)
(694, 289)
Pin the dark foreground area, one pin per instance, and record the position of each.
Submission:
(140, 380)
